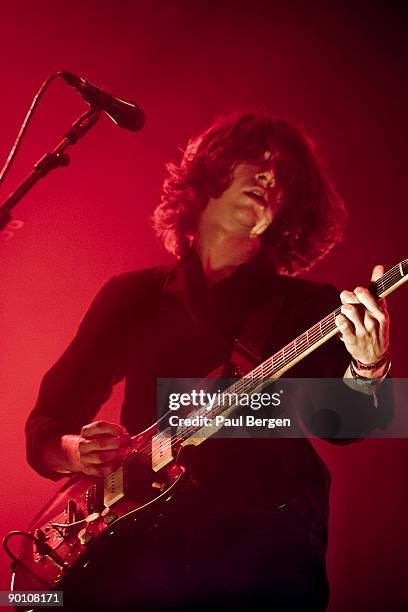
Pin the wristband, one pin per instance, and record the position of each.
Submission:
(370, 382)
(371, 366)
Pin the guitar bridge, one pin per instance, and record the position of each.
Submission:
(49, 536)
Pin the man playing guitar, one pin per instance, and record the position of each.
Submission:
(248, 208)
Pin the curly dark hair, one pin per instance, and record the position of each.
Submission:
(306, 227)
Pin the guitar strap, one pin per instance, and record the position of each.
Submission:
(248, 348)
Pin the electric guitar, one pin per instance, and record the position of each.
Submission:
(69, 533)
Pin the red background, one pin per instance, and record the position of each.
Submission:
(338, 68)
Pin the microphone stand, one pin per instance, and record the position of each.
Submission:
(55, 159)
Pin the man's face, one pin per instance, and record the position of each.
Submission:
(250, 204)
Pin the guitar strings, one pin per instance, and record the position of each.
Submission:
(313, 335)
(285, 355)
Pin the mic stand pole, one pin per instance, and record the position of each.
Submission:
(57, 158)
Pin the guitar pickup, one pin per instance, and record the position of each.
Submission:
(113, 489)
(162, 452)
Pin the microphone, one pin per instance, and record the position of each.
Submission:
(124, 113)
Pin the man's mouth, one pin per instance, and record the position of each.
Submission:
(258, 196)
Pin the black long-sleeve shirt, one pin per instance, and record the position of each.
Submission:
(166, 322)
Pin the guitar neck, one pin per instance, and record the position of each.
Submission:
(325, 329)
(275, 366)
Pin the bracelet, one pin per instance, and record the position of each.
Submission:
(364, 380)
(371, 366)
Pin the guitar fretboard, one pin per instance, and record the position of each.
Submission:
(325, 328)
(276, 365)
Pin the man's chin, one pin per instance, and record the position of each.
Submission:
(251, 226)
(246, 219)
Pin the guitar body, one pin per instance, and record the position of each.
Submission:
(71, 557)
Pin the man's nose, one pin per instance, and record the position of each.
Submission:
(266, 179)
